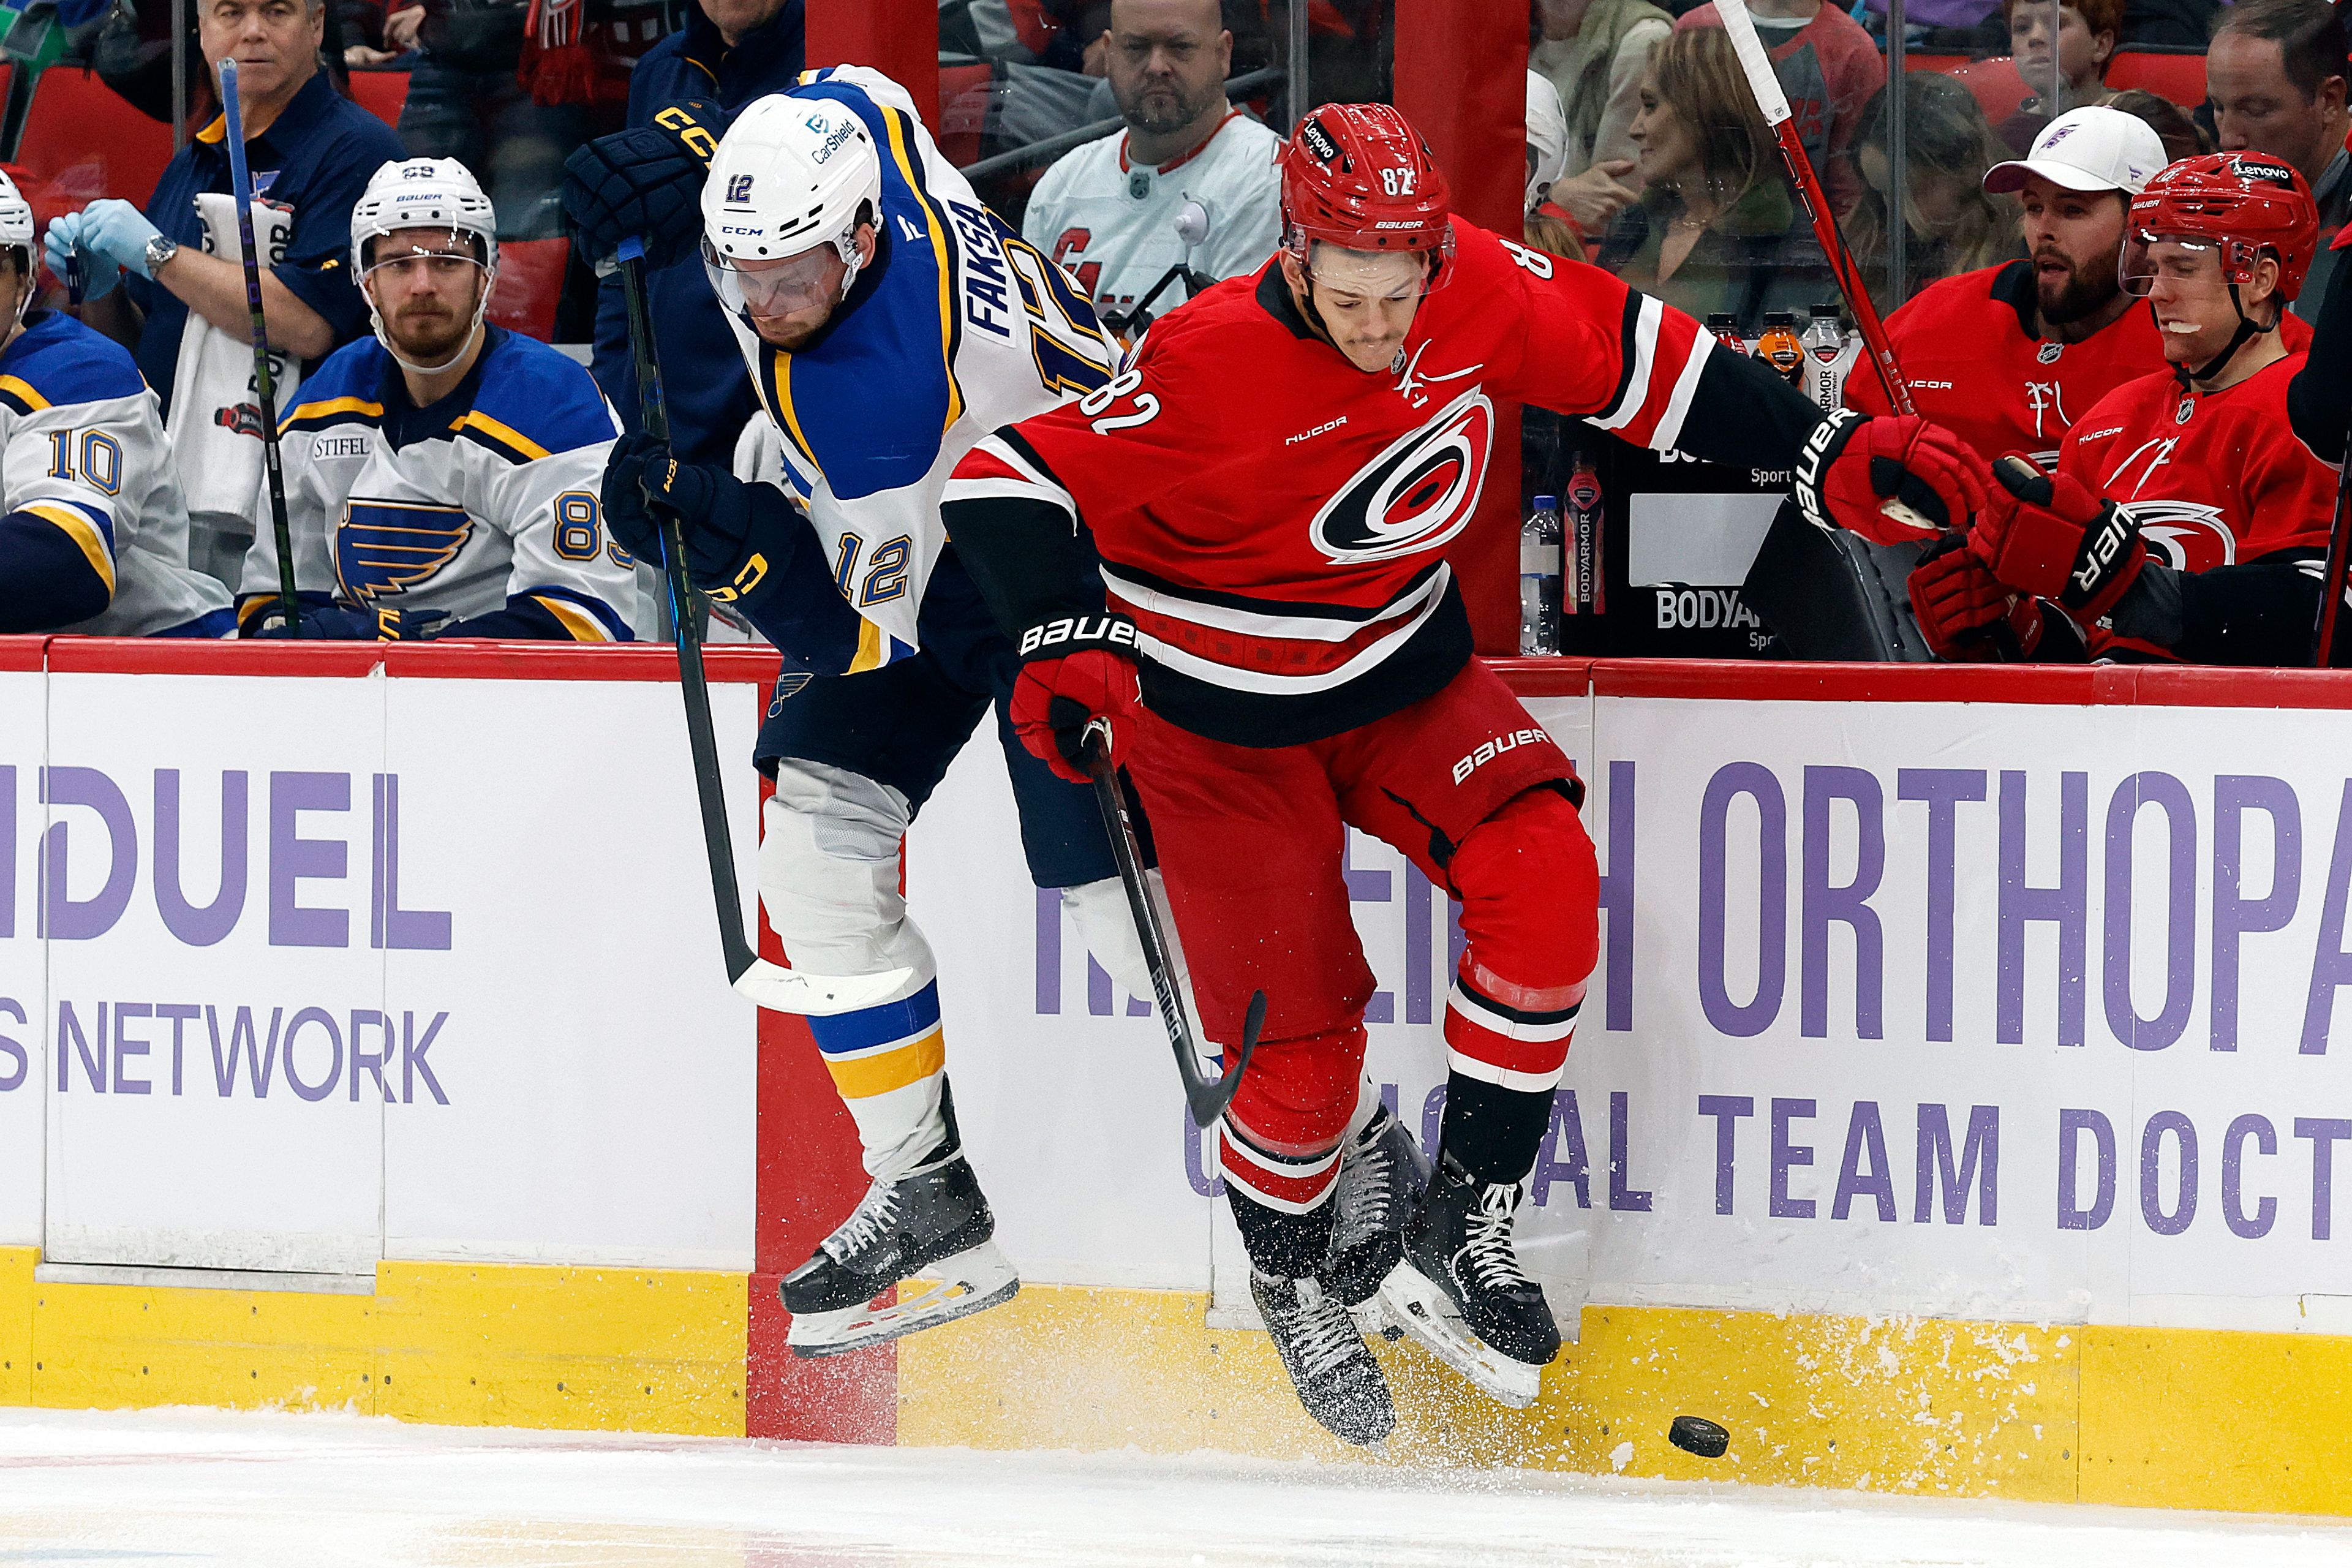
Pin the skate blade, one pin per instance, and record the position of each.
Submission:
(970, 1281)
(1416, 1305)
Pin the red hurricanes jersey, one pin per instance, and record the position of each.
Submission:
(2215, 479)
(1967, 346)
(1276, 521)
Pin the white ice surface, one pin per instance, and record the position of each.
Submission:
(201, 1487)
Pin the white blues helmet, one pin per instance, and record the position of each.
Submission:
(791, 174)
(16, 214)
(425, 193)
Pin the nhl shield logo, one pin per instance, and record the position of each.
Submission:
(2188, 406)
(1416, 495)
(2048, 352)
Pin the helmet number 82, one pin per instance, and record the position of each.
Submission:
(1396, 182)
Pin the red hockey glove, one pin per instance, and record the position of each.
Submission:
(1892, 479)
(2050, 535)
(1074, 671)
(1965, 614)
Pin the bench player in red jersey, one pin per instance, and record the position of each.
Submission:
(1270, 485)
(2185, 522)
(2010, 358)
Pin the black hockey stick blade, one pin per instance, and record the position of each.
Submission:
(1205, 1098)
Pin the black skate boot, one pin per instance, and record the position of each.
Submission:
(932, 1223)
(1461, 1293)
(1329, 1364)
(1383, 1174)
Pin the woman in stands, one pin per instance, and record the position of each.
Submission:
(1951, 223)
(1711, 231)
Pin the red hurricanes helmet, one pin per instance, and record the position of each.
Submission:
(1360, 175)
(2242, 203)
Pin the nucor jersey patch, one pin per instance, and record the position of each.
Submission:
(1416, 495)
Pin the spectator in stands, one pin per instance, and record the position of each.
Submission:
(465, 102)
(2185, 522)
(2276, 75)
(93, 536)
(442, 477)
(647, 180)
(182, 304)
(2008, 357)
(1829, 67)
(1711, 231)
(1951, 223)
(1107, 211)
(2182, 136)
(2073, 37)
(1593, 53)
(1548, 227)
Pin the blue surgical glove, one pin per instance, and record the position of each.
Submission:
(114, 232)
(58, 246)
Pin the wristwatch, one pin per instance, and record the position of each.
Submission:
(160, 249)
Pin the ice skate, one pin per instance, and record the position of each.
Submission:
(931, 1223)
(1329, 1364)
(1382, 1174)
(1460, 1292)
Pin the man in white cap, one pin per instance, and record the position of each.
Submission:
(2010, 357)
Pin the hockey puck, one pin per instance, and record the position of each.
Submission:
(1697, 1434)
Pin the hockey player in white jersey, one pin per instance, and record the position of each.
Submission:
(442, 477)
(93, 533)
(888, 320)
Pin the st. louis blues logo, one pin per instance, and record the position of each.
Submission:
(1416, 495)
(385, 547)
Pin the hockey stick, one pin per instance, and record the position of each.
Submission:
(771, 985)
(2332, 585)
(1205, 1097)
(264, 386)
(1774, 103)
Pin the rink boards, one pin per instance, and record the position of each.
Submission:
(1954, 1108)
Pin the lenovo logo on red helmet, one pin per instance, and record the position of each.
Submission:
(1324, 148)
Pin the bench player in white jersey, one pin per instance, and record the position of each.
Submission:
(1108, 210)
(93, 533)
(889, 321)
(442, 477)
(1271, 485)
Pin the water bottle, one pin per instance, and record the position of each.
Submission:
(1724, 326)
(1779, 346)
(1829, 356)
(1581, 524)
(1539, 539)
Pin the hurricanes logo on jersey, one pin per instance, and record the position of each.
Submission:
(2186, 535)
(383, 547)
(1416, 495)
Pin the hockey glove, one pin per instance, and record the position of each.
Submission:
(643, 479)
(348, 623)
(645, 180)
(1074, 671)
(1892, 479)
(2050, 535)
(1967, 616)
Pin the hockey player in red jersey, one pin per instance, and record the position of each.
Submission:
(2185, 520)
(1270, 485)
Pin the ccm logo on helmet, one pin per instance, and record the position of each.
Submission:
(1097, 629)
(1489, 750)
